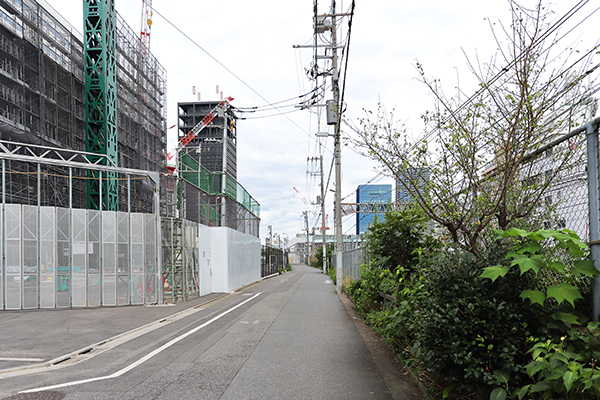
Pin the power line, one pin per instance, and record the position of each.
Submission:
(557, 24)
(227, 69)
(505, 69)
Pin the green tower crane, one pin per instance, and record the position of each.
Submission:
(100, 72)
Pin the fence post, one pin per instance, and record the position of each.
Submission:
(594, 210)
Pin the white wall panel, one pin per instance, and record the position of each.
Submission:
(205, 259)
(236, 259)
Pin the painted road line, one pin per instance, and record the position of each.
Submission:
(21, 359)
(88, 352)
(143, 359)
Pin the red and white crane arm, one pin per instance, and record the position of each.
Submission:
(184, 141)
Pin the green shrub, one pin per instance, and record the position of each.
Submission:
(365, 291)
(468, 326)
(331, 272)
(563, 365)
(317, 260)
(564, 369)
(402, 323)
(392, 243)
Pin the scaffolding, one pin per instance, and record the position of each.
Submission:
(42, 99)
(210, 141)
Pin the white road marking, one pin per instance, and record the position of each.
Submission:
(21, 359)
(143, 359)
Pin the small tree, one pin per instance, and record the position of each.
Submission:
(478, 164)
(317, 261)
(392, 243)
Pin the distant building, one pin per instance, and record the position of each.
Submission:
(420, 175)
(368, 194)
(210, 139)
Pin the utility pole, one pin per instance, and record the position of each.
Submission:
(337, 152)
(323, 226)
(321, 25)
(306, 227)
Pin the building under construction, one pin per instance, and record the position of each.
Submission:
(90, 216)
(42, 101)
(216, 144)
(208, 161)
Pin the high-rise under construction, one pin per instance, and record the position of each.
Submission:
(217, 142)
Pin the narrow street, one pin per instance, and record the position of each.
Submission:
(287, 337)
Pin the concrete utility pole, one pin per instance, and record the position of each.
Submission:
(306, 227)
(337, 152)
(323, 222)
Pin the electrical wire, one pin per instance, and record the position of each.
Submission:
(226, 69)
(505, 69)
(553, 28)
(271, 105)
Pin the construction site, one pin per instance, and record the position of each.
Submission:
(91, 214)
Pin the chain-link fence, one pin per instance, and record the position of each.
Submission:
(554, 180)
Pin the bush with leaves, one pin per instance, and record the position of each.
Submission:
(317, 260)
(547, 251)
(401, 322)
(564, 370)
(469, 327)
(562, 367)
(393, 242)
(365, 291)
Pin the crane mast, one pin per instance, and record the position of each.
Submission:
(146, 24)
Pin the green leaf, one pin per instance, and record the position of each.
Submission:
(557, 266)
(566, 317)
(513, 232)
(560, 236)
(447, 391)
(501, 376)
(563, 292)
(535, 296)
(568, 378)
(494, 272)
(511, 254)
(531, 248)
(586, 267)
(526, 263)
(540, 387)
(523, 391)
(535, 366)
(498, 394)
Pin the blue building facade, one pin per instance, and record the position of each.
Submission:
(419, 175)
(371, 194)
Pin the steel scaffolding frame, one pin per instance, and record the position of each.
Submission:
(42, 96)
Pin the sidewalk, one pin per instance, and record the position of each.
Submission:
(317, 348)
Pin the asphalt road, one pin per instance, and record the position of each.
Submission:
(287, 337)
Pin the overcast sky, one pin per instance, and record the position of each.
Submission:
(257, 65)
